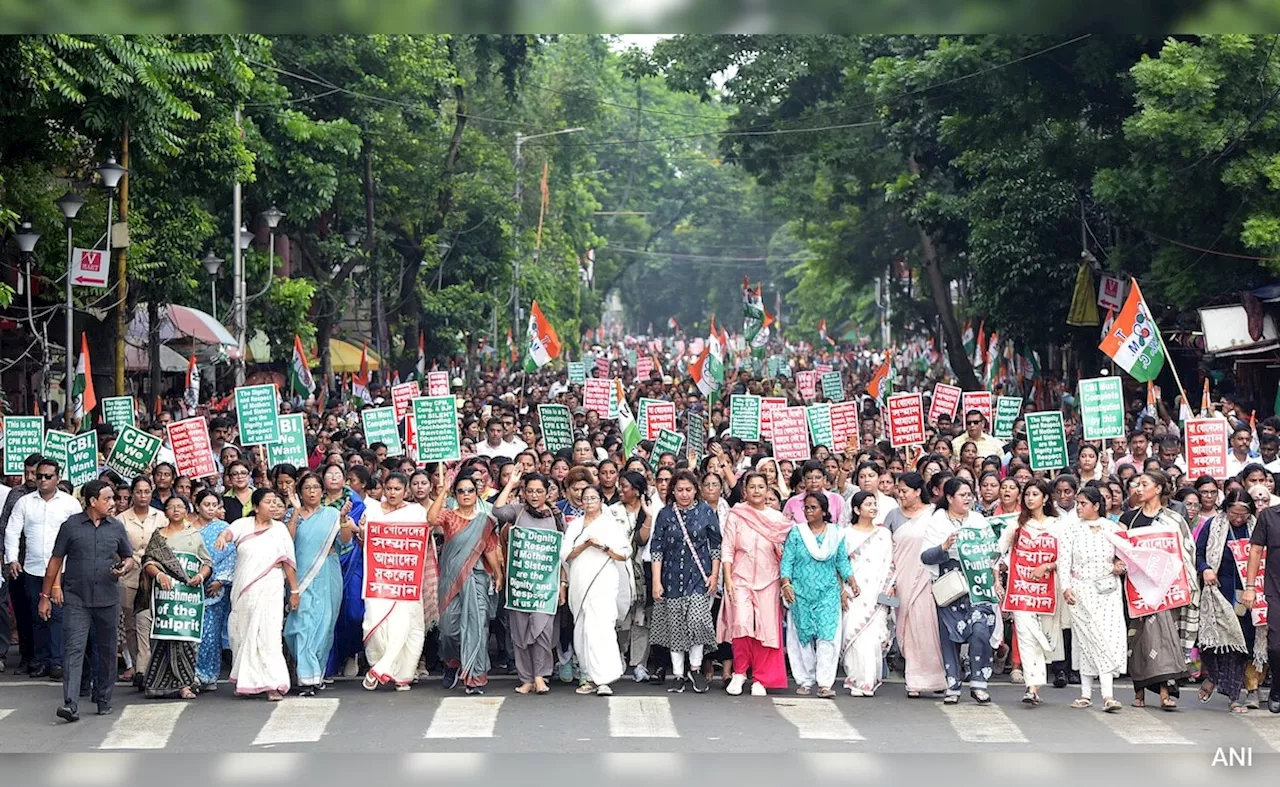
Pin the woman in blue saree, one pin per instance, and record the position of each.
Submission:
(318, 531)
(470, 579)
(348, 631)
(217, 603)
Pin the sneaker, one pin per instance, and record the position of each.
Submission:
(678, 688)
(68, 714)
(565, 672)
(475, 690)
(449, 679)
(757, 689)
(105, 709)
(603, 690)
(1060, 680)
(735, 685)
(403, 687)
(699, 680)
(639, 674)
(658, 676)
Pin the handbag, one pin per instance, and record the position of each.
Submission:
(949, 588)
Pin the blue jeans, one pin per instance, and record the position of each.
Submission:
(47, 633)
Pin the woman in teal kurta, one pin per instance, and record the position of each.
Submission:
(814, 568)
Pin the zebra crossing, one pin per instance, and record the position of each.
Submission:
(428, 720)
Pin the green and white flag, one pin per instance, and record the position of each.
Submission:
(626, 421)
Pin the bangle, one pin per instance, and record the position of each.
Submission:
(295, 592)
(45, 595)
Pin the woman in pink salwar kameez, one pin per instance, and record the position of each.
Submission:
(751, 612)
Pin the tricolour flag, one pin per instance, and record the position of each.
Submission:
(880, 387)
(1134, 342)
(980, 350)
(1206, 404)
(752, 313)
(360, 382)
(421, 366)
(822, 333)
(626, 421)
(191, 393)
(968, 339)
(82, 395)
(673, 325)
(300, 380)
(993, 360)
(544, 345)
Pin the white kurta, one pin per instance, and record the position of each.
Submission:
(593, 594)
(1099, 644)
(394, 630)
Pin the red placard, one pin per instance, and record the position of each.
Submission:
(767, 404)
(402, 396)
(977, 400)
(644, 367)
(1026, 594)
(659, 416)
(411, 438)
(602, 365)
(807, 383)
(394, 556)
(790, 434)
(191, 450)
(906, 419)
(823, 368)
(437, 383)
(844, 424)
(596, 395)
(945, 400)
(1207, 447)
(1240, 551)
(1179, 594)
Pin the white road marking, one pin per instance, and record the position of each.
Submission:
(5, 712)
(1142, 728)
(982, 724)
(465, 717)
(817, 720)
(1265, 725)
(144, 726)
(297, 720)
(641, 717)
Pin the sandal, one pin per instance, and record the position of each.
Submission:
(913, 694)
(525, 688)
(370, 683)
(1238, 708)
(1029, 698)
(1206, 691)
(587, 687)
(1111, 705)
(1084, 702)
(1139, 702)
(980, 696)
(186, 694)
(803, 691)
(826, 693)
(274, 696)
(1168, 703)
(951, 699)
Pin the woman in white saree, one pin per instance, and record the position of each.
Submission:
(264, 565)
(393, 629)
(595, 547)
(866, 620)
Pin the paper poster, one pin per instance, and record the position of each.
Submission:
(667, 442)
(402, 397)
(844, 424)
(380, 427)
(256, 411)
(1207, 440)
(1026, 593)
(437, 383)
(976, 400)
(118, 412)
(790, 433)
(557, 426)
(597, 395)
(696, 439)
(657, 415)
(946, 398)
(1179, 593)
(533, 570)
(906, 419)
(1102, 408)
(292, 446)
(820, 431)
(833, 387)
(133, 452)
(82, 459)
(435, 419)
(1047, 440)
(178, 613)
(807, 384)
(395, 557)
(1008, 408)
(577, 372)
(744, 417)
(192, 452)
(767, 404)
(1240, 552)
(23, 436)
(979, 549)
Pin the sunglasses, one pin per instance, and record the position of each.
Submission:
(973, 423)
(46, 476)
(470, 490)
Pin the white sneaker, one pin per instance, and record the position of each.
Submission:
(603, 690)
(735, 685)
(757, 689)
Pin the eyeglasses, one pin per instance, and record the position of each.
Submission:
(468, 490)
(238, 474)
(592, 499)
(46, 476)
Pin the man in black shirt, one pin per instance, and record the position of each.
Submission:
(1266, 534)
(94, 549)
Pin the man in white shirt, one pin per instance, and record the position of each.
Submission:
(1238, 454)
(509, 435)
(975, 431)
(39, 517)
(1269, 452)
(493, 444)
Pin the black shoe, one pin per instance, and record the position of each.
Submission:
(471, 690)
(23, 665)
(55, 673)
(450, 678)
(85, 691)
(1059, 680)
(699, 681)
(658, 676)
(68, 714)
(39, 672)
(105, 709)
(680, 683)
(306, 691)
(1073, 677)
(1273, 704)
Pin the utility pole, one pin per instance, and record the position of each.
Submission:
(122, 268)
(237, 274)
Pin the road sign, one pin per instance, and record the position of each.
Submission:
(89, 267)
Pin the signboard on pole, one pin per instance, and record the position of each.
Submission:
(1102, 408)
(435, 419)
(192, 452)
(292, 447)
(696, 440)
(82, 459)
(668, 442)
(380, 427)
(178, 613)
(133, 452)
(1207, 440)
(820, 431)
(402, 397)
(1047, 440)
(844, 424)
(118, 412)
(557, 426)
(946, 398)
(23, 436)
(1007, 410)
(1110, 293)
(833, 387)
(90, 267)
(437, 383)
(597, 394)
(395, 557)
(790, 427)
(744, 417)
(257, 411)
(976, 400)
(906, 419)
(533, 570)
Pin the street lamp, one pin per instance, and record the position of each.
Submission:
(246, 237)
(70, 204)
(271, 216)
(111, 173)
(26, 239)
(351, 236)
(212, 264)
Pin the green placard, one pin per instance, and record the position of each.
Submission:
(819, 418)
(133, 452)
(642, 417)
(380, 427)
(833, 387)
(779, 366)
(1007, 411)
(436, 421)
(1102, 408)
(668, 442)
(999, 523)
(577, 372)
(979, 550)
(178, 613)
(55, 448)
(533, 570)
(118, 412)
(744, 417)
(557, 426)
(291, 449)
(257, 412)
(82, 459)
(23, 436)
(697, 436)
(615, 392)
(1047, 440)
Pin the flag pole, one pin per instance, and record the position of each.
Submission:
(1165, 349)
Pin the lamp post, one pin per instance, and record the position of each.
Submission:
(212, 265)
(70, 204)
(272, 217)
(239, 245)
(26, 238)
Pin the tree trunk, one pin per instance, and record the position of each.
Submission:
(324, 327)
(379, 319)
(122, 270)
(941, 290)
(153, 345)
